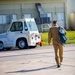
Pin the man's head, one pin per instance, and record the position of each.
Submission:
(55, 23)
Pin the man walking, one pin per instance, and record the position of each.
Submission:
(58, 47)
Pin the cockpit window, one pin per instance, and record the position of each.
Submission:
(25, 26)
(32, 26)
(16, 26)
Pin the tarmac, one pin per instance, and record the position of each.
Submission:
(44, 64)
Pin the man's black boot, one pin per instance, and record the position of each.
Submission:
(58, 66)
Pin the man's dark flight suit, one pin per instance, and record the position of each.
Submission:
(58, 48)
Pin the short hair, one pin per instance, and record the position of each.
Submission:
(54, 22)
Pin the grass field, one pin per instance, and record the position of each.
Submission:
(70, 37)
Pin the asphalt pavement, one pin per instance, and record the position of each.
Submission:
(37, 61)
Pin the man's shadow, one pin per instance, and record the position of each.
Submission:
(33, 70)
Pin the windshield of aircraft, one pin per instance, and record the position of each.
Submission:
(31, 26)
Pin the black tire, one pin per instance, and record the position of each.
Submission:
(22, 44)
(1, 46)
